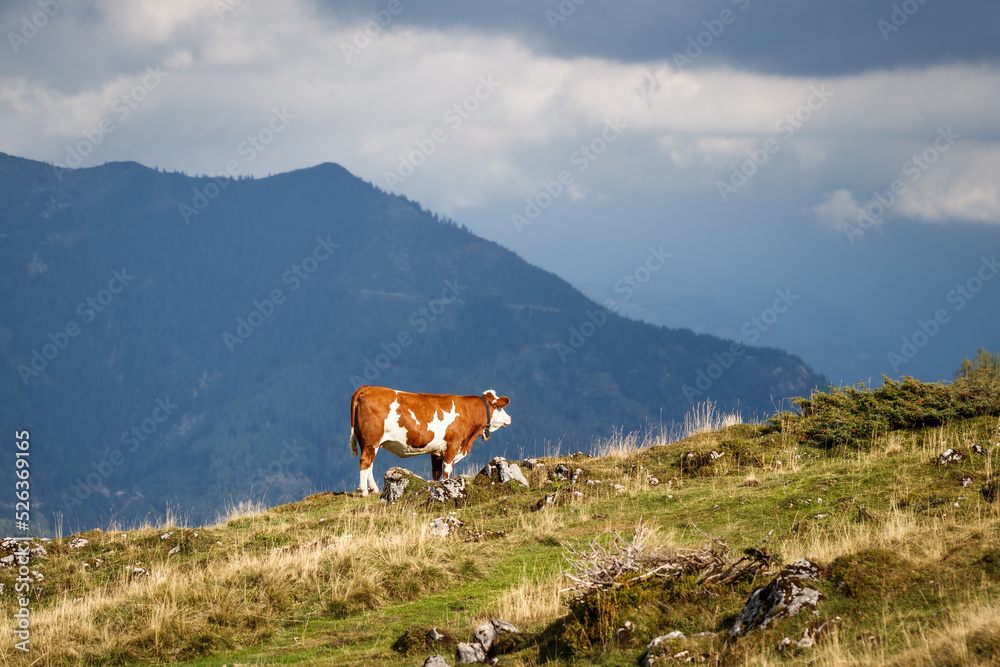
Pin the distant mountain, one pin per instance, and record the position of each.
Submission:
(182, 341)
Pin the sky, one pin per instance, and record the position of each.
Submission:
(836, 161)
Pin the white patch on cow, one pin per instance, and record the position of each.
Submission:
(438, 427)
(499, 420)
(415, 420)
(448, 467)
(367, 481)
(394, 438)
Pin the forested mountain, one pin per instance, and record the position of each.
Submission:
(192, 341)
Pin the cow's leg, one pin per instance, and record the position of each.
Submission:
(436, 466)
(367, 477)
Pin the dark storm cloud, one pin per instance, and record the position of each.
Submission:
(788, 37)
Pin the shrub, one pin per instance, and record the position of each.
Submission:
(854, 415)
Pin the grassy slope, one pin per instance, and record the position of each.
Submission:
(336, 579)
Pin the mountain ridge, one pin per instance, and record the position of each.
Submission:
(163, 337)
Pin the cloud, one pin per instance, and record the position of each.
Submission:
(965, 187)
(685, 129)
(837, 211)
(783, 37)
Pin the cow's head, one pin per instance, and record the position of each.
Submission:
(499, 417)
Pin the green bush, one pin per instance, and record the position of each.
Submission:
(854, 415)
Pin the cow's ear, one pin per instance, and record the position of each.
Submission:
(502, 402)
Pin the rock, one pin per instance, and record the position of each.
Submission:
(38, 551)
(138, 572)
(485, 634)
(166, 536)
(786, 595)
(649, 659)
(466, 654)
(809, 636)
(948, 457)
(175, 550)
(966, 480)
(977, 449)
(576, 475)
(435, 661)
(395, 482)
(505, 471)
(561, 472)
(78, 543)
(443, 525)
(450, 489)
(7, 561)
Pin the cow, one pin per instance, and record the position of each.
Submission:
(406, 424)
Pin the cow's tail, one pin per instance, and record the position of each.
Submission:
(354, 414)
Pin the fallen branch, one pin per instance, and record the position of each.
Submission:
(597, 567)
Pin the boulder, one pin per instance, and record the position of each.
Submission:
(394, 484)
(501, 470)
(443, 525)
(487, 633)
(467, 654)
(786, 595)
(450, 489)
(435, 661)
(948, 457)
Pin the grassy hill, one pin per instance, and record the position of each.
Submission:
(909, 546)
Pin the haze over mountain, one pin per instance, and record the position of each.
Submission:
(194, 341)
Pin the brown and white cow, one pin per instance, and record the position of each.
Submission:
(406, 424)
